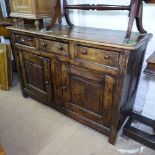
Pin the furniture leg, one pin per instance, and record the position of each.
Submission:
(56, 15)
(139, 18)
(134, 4)
(15, 21)
(66, 13)
(37, 23)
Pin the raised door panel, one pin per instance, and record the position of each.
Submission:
(21, 6)
(36, 76)
(87, 93)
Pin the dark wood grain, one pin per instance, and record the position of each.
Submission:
(92, 75)
(36, 75)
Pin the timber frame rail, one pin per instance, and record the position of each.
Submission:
(135, 13)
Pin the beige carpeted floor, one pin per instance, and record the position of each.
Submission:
(27, 127)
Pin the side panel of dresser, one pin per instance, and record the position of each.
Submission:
(131, 81)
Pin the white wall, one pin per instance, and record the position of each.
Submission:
(118, 20)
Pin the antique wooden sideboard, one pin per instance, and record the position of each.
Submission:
(88, 74)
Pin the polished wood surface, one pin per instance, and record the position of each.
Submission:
(95, 36)
(5, 67)
(88, 74)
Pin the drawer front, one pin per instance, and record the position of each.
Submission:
(54, 47)
(25, 40)
(99, 56)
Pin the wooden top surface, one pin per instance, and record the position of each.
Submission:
(106, 37)
(151, 59)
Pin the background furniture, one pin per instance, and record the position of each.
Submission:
(137, 134)
(150, 69)
(32, 9)
(4, 22)
(2, 151)
(86, 73)
(131, 131)
(5, 67)
(135, 13)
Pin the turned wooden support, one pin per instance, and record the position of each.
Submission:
(59, 12)
(97, 7)
(37, 24)
(135, 13)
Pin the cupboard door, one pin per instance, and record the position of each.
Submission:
(36, 76)
(87, 93)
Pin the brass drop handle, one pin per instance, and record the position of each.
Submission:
(30, 39)
(84, 52)
(44, 45)
(106, 57)
(47, 82)
(64, 88)
(22, 40)
(60, 47)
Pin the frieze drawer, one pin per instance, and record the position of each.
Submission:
(99, 56)
(54, 47)
(25, 40)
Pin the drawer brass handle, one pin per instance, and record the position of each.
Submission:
(44, 45)
(22, 40)
(64, 88)
(106, 57)
(60, 47)
(17, 36)
(84, 52)
(47, 82)
(30, 39)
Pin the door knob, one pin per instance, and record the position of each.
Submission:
(64, 88)
(44, 45)
(84, 52)
(60, 47)
(106, 57)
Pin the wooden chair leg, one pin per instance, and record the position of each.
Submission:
(66, 13)
(139, 18)
(134, 5)
(56, 15)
